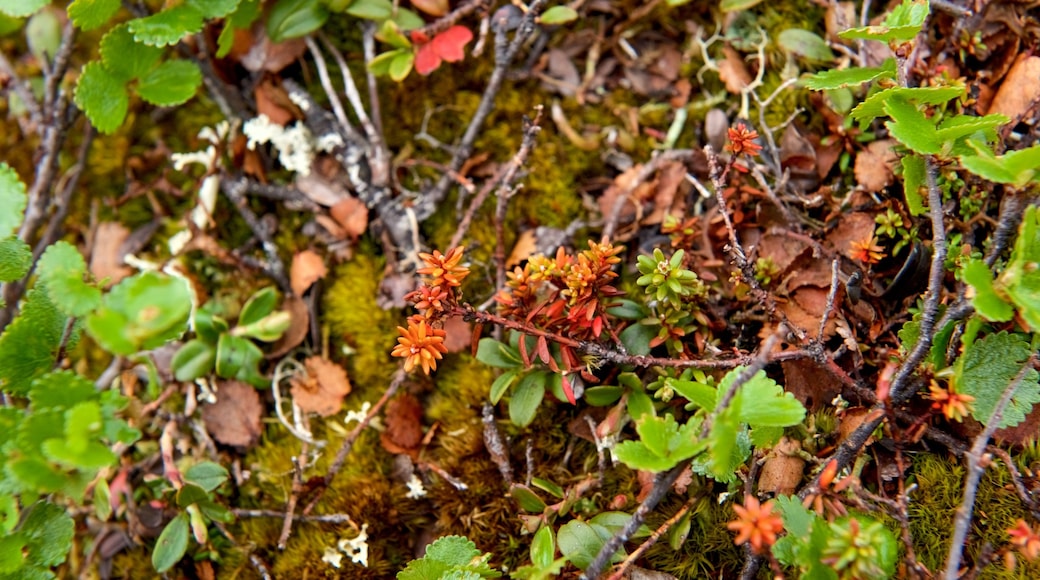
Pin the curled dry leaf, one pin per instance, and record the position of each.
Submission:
(352, 215)
(307, 268)
(782, 472)
(235, 418)
(322, 389)
(299, 324)
(272, 100)
(106, 259)
(733, 72)
(874, 165)
(1020, 89)
(403, 432)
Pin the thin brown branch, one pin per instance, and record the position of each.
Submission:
(661, 530)
(235, 192)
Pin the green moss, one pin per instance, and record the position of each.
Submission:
(708, 552)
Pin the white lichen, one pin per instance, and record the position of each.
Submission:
(295, 144)
(358, 415)
(357, 548)
(415, 488)
(333, 557)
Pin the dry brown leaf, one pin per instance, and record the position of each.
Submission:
(623, 184)
(526, 245)
(797, 152)
(106, 259)
(272, 100)
(403, 432)
(810, 383)
(852, 227)
(299, 325)
(782, 250)
(874, 165)
(805, 310)
(235, 418)
(669, 189)
(322, 190)
(1021, 87)
(459, 334)
(307, 268)
(322, 389)
(352, 214)
(733, 71)
(265, 55)
(783, 471)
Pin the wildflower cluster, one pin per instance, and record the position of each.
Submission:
(671, 288)
(953, 405)
(756, 524)
(422, 342)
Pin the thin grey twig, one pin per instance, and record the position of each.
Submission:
(326, 83)
(976, 467)
(235, 192)
(323, 519)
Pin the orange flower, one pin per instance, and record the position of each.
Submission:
(444, 268)
(756, 523)
(867, 251)
(419, 344)
(1026, 539)
(742, 140)
(955, 406)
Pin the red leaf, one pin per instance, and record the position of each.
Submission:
(426, 59)
(568, 389)
(449, 44)
(543, 350)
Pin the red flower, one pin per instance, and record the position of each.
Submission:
(756, 524)
(447, 45)
(1027, 540)
(867, 251)
(742, 140)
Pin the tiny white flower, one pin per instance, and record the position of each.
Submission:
(415, 488)
(357, 548)
(333, 557)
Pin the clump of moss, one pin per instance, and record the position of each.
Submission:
(708, 552)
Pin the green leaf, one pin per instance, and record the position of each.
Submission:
(93, 456)
(836, 79)
(13, 198)
(268, 329)
(798, 519)
(211, 9)
(207, 475)
(172, 543)
(496, 354)
(371, 9)
(914, 178)
(805, 44)
(125, 58)
(985, 370)
(102, 500)
(238, 358)
(1021, 279)
(527, 499)
(167, 27)
(140, 313)
(294, 18)
(452, 550)
(602, 395)
(193, 360)
(102, 97)
(15, 259)
(406, 19)
(259, 305)
(548, 487)
(502, 384)
(11, 558)
(243, 17)
(62, 269)
(527, 396)
(380, 65)
(543, 547)
(401, 65)
(43, 35)
(390, 33)
(724, 452)
(29, 344)
(985, 299)
(558, 15)
(911, 128)
(190, 493)
(762, 402)
(636, 338)
(874, 105)
(901, 25)
(8, 513)
(171, 83)
(20, 8)
(48, 531)
(662, 444)
(580, 543)
(90, 14)
(700, 394)
(1017, 167)
(208, 323)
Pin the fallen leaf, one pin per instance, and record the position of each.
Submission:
(874, 165)
(805, 309)
(783, 471)
(782, 250)
(235, 418)
(307, 268)
(810, 383)
(272, 100)
(852, 227)
(352, 214)
(322, 389)
(403, 432)
(1020, 89)
(526, 246)
(459, 331)
(448, 45)
(265, 55)
(106, 257)
(299, 325)
(733, 72)
(669, 190)
(321, 190)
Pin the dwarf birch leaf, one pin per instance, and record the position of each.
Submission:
(985, 300)
(171, 83)
(911, 128)
(62, 268)
(90, 14)
(49, 530)
(13, 198)
(29, 344)
(914, 175)
(167, 27)
(874, 105)
(102, 97)
(805, 44)
(985, 370)
(124, 57)
(836, 79)
(211, 9)
(15, 259)
(763, 403)
(21, 8)
(371, 9)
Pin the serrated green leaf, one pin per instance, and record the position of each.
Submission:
(701, 395)
(13, 198)
(11, 553)
(987, 367)
(172, 543)
(171, 83)
(835, 79)
(21, 8)
(211, 9)
(558, 15)
(140, 313)
(901, 25)
(1021, 279)
(29, 344)
(9, 513)
(207, 475)
(90, 14)
(452, 550)
(805, 44)
(167, 27)
(15, 259)
(294, 18)
(723, 451)
(874, 105)
(961, 126)
(497, 354)
(93, 456)
(124, 57)
(911, 128)
(798, 519)
(48, 530)
(985, 299)
(102, 97)
(62, 269)
(763, 403)
(502, 384)
(527, 397)
(914, 183)
(1017, 167)
(193, 360)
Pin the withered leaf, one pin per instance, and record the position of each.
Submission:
(299, 324)
(307, 268)
(352, 215)
(403, 432)
(322, 389)
(106, 259)
(235, 418)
